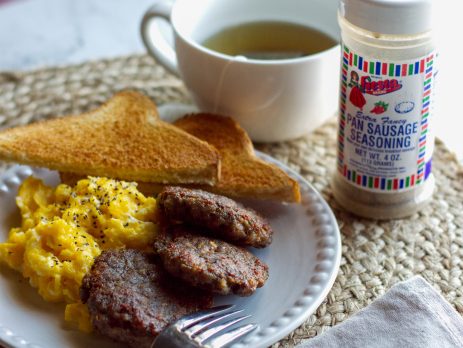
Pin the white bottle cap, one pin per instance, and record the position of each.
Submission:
(402, 17)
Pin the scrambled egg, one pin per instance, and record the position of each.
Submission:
(64, 229)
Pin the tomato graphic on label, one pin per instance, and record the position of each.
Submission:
(356, 96)
(380, 107)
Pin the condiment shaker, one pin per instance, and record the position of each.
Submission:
(385, 140)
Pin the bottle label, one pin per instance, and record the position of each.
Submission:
(385, 143)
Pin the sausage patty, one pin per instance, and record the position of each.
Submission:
(221, 216)
(131, 299)
(211, 264)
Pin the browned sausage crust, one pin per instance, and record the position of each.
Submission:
(221, 216)
(131, 298)
(211, 264)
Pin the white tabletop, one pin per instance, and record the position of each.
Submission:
(36, 33)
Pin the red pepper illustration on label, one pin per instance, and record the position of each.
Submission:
(356, 96)
(380, 107)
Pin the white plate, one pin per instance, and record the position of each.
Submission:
(303, 260)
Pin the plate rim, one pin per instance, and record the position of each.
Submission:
(304, 306)
(311, 308)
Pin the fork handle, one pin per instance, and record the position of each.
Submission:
(168, 340)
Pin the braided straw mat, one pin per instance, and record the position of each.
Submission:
(375, 255)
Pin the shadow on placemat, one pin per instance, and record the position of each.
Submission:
(375, 255)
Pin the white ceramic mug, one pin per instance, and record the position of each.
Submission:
(273, 100)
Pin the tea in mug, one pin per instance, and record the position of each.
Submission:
(269, 40)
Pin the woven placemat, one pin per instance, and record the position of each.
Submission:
(375, 255)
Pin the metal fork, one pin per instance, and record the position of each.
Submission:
(206, 329)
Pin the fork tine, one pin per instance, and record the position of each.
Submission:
(216, 329)
(231, 335)
(189, 320)
(207, 322)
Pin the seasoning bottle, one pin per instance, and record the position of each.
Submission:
(385, 141)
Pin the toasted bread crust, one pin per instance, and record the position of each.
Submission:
(242, 173)
(123, 138)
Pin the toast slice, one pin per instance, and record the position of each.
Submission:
(124, 138)
(242, 173)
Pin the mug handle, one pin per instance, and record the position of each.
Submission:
(155, 42)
